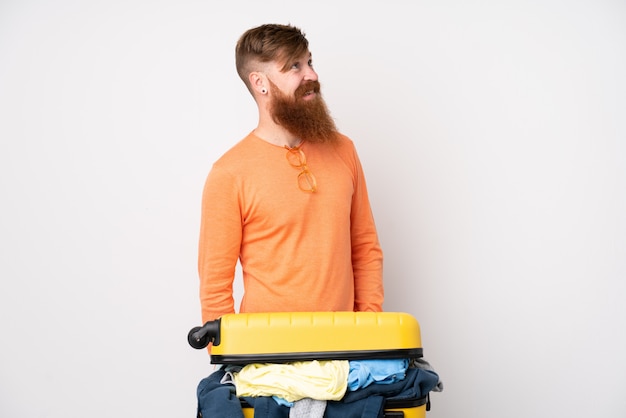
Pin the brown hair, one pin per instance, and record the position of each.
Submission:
(268, 43)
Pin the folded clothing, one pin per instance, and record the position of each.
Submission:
(216, 397)
(365, 372)
(322, 380)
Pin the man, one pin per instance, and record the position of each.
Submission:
(289, 200)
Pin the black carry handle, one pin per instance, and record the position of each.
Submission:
(200, 337)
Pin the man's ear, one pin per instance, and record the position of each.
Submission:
(259, 83)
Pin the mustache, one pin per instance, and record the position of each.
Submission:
(313, 86)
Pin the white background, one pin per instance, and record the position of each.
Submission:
(493, 137)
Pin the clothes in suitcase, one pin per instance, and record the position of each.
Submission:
(356, 338)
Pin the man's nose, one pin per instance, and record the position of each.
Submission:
(310, 75)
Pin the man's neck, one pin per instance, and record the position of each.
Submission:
(277, 135)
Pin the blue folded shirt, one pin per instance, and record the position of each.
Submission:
(365, 372)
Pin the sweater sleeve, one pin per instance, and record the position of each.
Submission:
(367, 255)
(220, 242)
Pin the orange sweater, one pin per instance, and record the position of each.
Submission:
(299, 251)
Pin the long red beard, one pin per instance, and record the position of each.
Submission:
(308, 120)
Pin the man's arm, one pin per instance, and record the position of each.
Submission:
(219, 246)
(367, 255)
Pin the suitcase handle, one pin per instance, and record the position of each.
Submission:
(200, 337)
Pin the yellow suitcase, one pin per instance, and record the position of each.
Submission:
(281, 337)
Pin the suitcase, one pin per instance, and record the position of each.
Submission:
(283, 337)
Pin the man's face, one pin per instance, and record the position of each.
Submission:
(297, 104)
(298, 72)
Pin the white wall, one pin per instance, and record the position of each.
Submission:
(493, 138)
